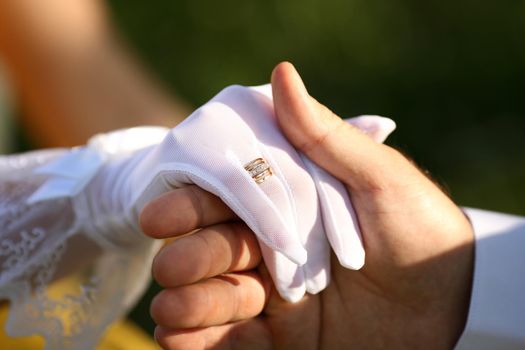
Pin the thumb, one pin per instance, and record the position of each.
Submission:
(341, 149)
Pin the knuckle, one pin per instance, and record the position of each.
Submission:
(178, 308)
(320, 137)
(204, 263)
(246, 253)
(156, 309)
(195, 195)
(184, 261)
(158, 269)
(147, 219)
(196, 306)
(166, 342)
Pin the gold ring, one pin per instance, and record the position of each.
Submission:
(259, 170)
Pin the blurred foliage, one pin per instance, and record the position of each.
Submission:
(451, 73)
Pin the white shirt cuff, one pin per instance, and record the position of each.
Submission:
(496, 317)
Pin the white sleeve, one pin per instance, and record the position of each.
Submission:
(62, 282)
(496, 317)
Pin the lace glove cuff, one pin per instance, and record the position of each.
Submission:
(60, 281)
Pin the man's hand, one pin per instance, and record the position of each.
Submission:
(412, 293)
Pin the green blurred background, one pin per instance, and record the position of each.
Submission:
(451, 73)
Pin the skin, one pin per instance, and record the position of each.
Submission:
(412, 293)
(72, 74)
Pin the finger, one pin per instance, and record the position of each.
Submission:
(293, 281)
(378, 128)
(264, 205)
(215, 301)
(326, 139)
(339, 219)
(289, 278)
(181, 211)
(210, 252)
(250, 334)
(302, 196)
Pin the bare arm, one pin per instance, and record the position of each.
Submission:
(73, 76)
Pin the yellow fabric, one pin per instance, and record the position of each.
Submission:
(122, 335)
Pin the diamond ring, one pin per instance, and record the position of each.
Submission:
(259, 170)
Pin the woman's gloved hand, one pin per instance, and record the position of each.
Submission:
(296, 211)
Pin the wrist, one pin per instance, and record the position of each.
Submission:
(111, 197)
(463, 262)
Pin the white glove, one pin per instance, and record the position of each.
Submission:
(297, 205)
(292, 212)
(79, 209)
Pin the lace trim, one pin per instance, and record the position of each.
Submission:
(17, 253)
(41, 243)
(73, 313)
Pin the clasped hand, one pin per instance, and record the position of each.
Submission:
(412, 292)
